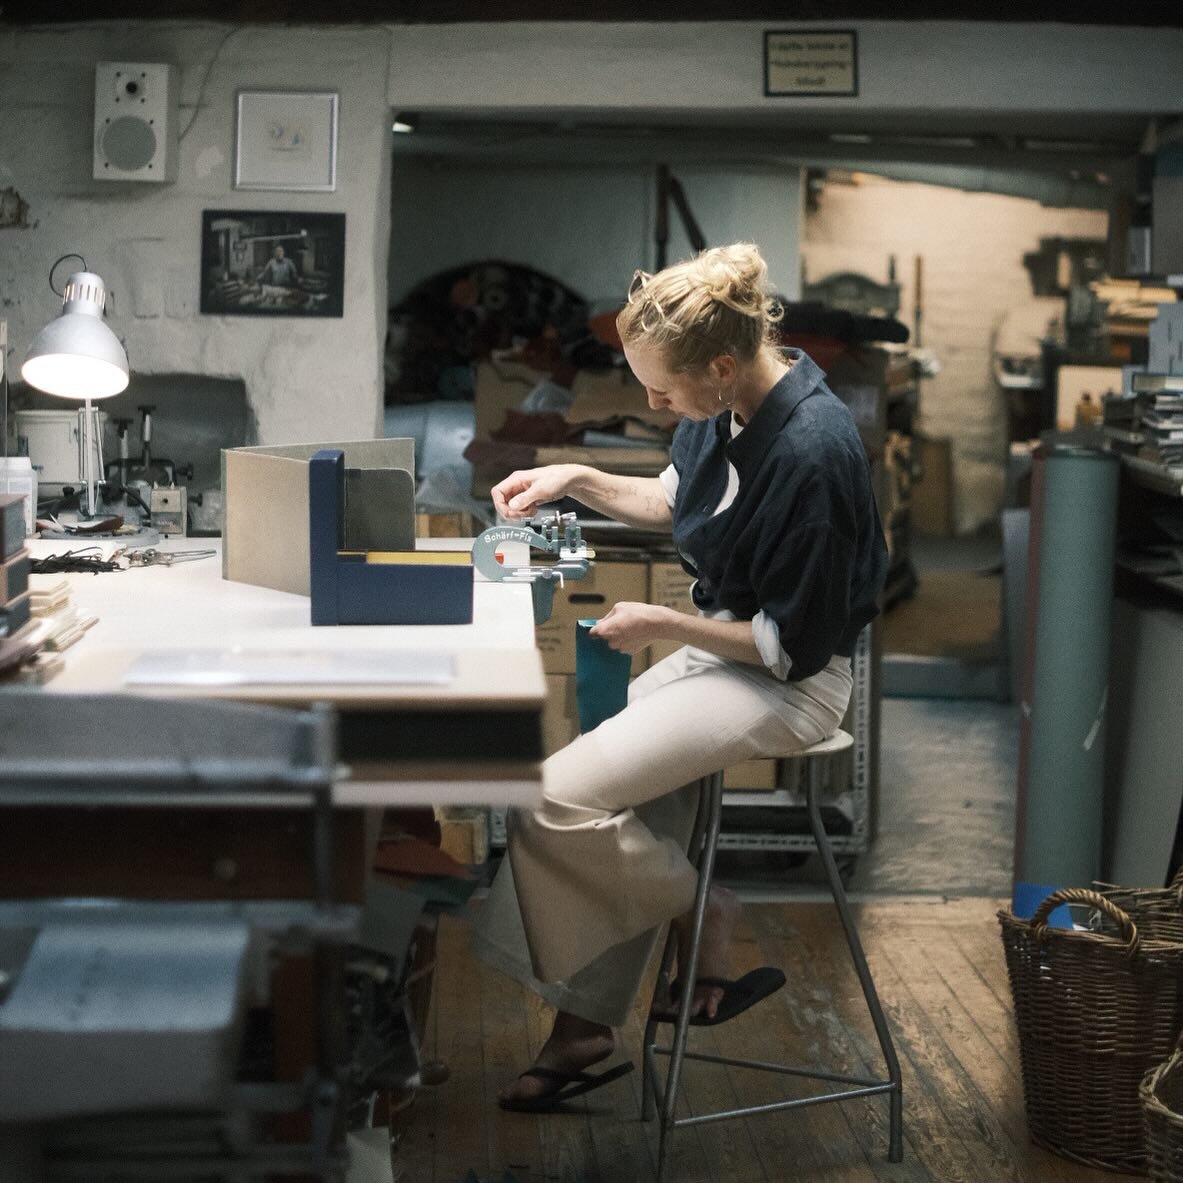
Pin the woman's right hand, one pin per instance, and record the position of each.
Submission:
(522, 492)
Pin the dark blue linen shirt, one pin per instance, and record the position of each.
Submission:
(802, 540)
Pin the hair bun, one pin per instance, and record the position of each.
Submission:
(717, 302)
(736, 276)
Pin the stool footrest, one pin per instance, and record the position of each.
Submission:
(784, 1069)
(775, 1106)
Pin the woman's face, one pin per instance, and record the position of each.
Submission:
(694, 396)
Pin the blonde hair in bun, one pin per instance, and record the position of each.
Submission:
(694, 311)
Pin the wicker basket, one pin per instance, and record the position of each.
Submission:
(1095, 1012)
(1157, 911)
(1162, 1111)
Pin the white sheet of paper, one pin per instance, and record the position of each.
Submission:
(370, 1160)
(246, 667)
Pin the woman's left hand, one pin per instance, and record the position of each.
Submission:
(630, 627)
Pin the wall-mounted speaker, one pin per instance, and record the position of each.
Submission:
(135, 122)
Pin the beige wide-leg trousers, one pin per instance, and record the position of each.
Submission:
(593, 874)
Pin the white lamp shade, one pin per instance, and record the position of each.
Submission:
(77, 355)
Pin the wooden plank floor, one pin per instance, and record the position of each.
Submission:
(941, 977)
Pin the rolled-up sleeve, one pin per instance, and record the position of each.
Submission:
(669, 484)
(766, 635)
(805, 589)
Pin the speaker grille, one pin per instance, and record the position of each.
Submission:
(129, 143)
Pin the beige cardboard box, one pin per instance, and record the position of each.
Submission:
(751, 774)
(932, 494)
(601, 395)
(447, 525)
(500, 386)
(560, 713)
(669, 587)
(265, 491)
(464, 833)
(606, 584)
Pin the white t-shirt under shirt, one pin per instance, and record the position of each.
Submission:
(764, 630)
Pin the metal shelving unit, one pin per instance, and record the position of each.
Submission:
(854, 802)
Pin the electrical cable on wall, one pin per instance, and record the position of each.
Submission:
(4, 409)
(204, 82)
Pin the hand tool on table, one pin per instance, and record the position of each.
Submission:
(552, 533)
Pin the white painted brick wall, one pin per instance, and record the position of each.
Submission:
(972, 245)
(307, 379)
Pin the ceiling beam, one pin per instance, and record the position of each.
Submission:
(1095, 12)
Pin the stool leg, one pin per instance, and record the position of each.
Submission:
(688, 966)
(895, 1147)
(661, 987)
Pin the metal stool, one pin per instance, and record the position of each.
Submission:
(658, 1096)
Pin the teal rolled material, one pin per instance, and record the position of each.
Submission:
(601, 678)
(1066, 668)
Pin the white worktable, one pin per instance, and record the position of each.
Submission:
(188, 606)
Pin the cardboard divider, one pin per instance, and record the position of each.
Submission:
(265, 530)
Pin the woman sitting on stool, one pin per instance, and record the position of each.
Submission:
(769, 499)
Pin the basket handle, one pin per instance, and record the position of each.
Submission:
(1080, 895)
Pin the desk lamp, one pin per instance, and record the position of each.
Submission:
(77, 356)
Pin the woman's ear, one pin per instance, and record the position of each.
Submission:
(724, 369)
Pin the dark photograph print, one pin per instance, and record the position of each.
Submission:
(263, 263)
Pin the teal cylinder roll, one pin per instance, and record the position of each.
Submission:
(1069, 609)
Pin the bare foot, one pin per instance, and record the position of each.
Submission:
(573, 1046)
(714, 949)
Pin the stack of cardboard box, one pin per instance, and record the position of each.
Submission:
(16, 627)
(634, 439)
(614, 577)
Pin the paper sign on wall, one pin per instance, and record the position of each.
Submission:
(805, 62)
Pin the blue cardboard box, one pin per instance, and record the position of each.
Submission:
(375, 587)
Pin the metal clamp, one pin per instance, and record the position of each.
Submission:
(552, 533)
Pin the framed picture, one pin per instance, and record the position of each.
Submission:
(286, 140)
(271, 263)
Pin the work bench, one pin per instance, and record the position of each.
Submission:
(121, 814)
(472, 740)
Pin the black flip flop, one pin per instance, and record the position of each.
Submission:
(738, 995)
(578, 1082)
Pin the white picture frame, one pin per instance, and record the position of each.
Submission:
(286, 140)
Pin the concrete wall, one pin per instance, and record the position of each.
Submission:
(916, 66)
(587, 226)
(972, 246)
(305, 378)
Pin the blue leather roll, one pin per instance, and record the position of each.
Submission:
(1066, 668)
